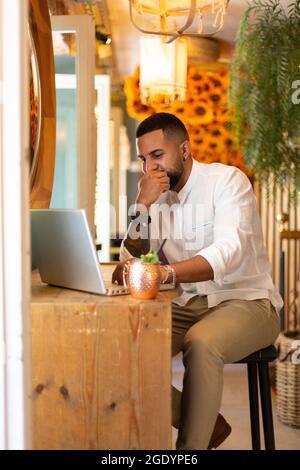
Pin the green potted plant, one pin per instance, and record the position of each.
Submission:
(264, 91)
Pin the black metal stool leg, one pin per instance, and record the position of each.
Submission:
(266, 405)
(253, 402)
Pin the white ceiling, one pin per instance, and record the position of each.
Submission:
(125, 36)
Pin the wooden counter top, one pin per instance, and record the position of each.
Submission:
(41, 292)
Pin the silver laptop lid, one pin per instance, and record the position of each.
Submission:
(64, 251)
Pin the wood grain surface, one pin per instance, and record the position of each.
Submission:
(101, 370)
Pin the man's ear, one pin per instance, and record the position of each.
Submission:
(185, 149)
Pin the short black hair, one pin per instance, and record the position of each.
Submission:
(168, 123)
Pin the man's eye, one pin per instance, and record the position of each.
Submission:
(157, 155)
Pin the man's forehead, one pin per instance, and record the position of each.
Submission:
(158, 134)
(151, 141)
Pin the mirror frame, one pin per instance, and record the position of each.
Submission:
(42, 173)
(34, 75)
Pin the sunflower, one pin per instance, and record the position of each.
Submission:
(199, 144)
(218, 130)
(199, 113)
(197, 82)
(196, 75)
(214, 145)
(223, 115)
(215, 82)
(206, 157)
(140, 113)
(219, 80)
(208, 144)
(217, 98)
(179, 108)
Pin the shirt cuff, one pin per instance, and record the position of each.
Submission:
(124, 254)
(213, 257)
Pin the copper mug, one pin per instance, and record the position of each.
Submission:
(142, 279)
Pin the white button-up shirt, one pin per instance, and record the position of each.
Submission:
(215, 216)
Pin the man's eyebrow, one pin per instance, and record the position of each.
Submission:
(151, 153)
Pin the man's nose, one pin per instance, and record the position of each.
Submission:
(151, 166)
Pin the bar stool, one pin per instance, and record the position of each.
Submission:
(258, 365)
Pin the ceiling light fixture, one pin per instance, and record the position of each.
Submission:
(167, 10)
(163, 71)
(163, 62)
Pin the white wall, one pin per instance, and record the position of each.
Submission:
(84, 28)
(14, 228)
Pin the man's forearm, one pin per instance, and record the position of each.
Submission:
(138, 246)
(196, 269)
(137, 240)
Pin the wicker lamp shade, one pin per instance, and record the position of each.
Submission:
(165, 11)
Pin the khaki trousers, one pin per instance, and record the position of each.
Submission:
(208, 339)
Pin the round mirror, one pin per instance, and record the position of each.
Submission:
(35, 104)
(42, 105)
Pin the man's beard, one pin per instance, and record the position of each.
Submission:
(175, 174)
(174, 178)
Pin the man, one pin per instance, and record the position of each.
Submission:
(204, 222)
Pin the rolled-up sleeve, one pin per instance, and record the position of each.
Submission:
(234, 202)
(124, 253)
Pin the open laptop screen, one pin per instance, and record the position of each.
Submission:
(64, 251)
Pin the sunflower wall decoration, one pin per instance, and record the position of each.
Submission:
(204, 112)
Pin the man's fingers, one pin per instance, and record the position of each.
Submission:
(160, 181)
(164, 180)
(114, 275)
(161, 174)
(117, 275)
(157, 174)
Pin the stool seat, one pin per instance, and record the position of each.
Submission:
(268, 354)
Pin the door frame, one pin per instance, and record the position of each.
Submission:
(15, 373)
(84, 28)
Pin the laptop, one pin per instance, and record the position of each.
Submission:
(64, 252)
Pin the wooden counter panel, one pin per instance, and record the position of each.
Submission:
(101, 370)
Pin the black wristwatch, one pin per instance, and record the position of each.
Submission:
(135, 216)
